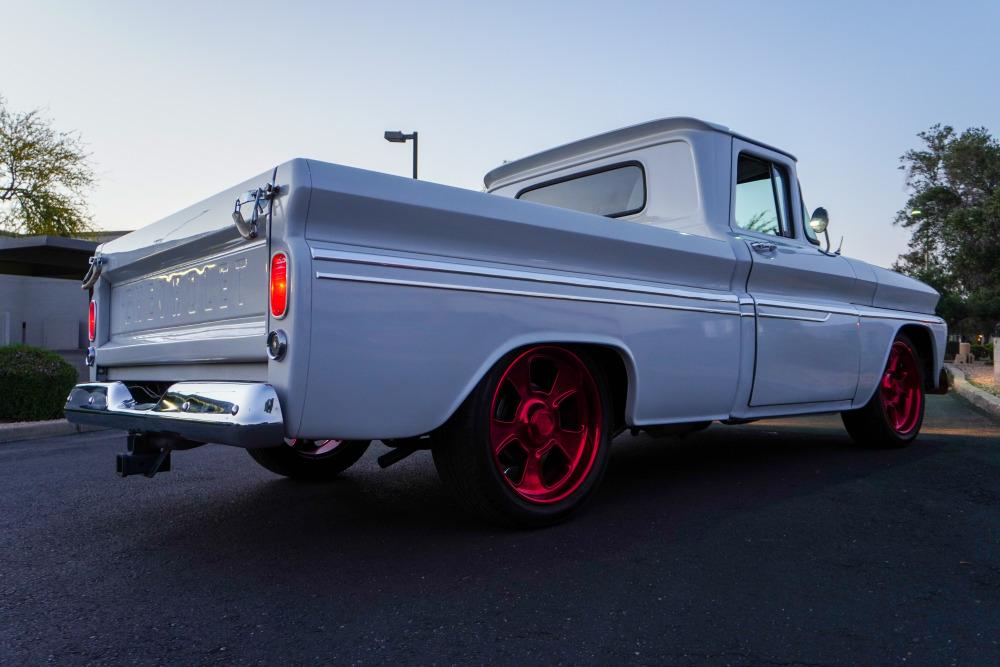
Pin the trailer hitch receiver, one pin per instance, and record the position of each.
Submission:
(142, 457)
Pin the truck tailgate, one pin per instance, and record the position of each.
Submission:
(187, 289)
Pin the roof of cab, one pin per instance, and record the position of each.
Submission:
(608, 139)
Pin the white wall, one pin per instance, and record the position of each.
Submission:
(45, 312)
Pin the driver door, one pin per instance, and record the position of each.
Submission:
(808, 346)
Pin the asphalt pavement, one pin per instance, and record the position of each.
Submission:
(772, 543)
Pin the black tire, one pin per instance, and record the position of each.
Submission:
(872, 426)
(465, 461)
(292, 463)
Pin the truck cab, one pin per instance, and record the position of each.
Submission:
(669, 174)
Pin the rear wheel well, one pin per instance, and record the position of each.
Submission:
(611, 362)
(921, 339)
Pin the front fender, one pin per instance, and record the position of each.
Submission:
(878, 331)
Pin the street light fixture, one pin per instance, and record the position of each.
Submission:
(397, 137)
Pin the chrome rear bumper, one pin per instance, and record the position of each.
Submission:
(245, 414)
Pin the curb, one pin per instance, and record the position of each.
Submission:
(44, 429)
(981, 399)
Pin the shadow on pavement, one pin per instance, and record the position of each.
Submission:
(778, 540)
(648, 481)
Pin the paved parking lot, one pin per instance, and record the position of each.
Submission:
(772, 543)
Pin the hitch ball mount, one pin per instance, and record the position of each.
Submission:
(142, 457)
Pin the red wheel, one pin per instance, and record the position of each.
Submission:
(893, 416)
(545, 424)
(901, 390)
(531, 442)
(311, 460)
(314, 448)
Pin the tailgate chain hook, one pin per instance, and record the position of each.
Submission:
(94, 272)
(248, 230)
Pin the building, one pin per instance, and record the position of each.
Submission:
(41, 302)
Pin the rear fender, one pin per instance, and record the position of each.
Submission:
(399, 397)
(559, 339)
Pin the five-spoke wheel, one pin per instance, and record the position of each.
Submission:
(893, 416)
(901, 389)
(310, 460)
(531, 442)
(545, 424)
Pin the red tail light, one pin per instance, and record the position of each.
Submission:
(92, 322)
(279, 285)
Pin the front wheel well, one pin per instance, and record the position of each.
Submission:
(921, 339)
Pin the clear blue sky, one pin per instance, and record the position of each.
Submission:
(180, 99)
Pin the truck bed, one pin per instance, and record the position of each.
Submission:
(409, 279)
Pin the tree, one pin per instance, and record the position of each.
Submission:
(761, 222)
(954, 214)
(44, 176)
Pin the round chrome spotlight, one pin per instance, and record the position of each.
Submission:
(277, 344)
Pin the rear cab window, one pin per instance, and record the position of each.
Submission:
(613, 191)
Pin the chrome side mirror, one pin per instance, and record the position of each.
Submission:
(819, 221)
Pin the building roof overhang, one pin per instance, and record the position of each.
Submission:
(45, 256)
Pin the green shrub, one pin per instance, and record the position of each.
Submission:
(982, 351)
(34, 383)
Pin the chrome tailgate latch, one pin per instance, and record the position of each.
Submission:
(266, 193)
(94, 272)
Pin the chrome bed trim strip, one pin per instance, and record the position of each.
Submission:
(510, 292)
(513, 274)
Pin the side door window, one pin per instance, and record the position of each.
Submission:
(762, 197)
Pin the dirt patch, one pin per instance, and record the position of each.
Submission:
(980, 375)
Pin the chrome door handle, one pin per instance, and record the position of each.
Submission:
(764, 246)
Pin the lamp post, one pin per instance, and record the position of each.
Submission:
(397, 137)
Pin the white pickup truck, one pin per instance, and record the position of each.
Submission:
(660, 277)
